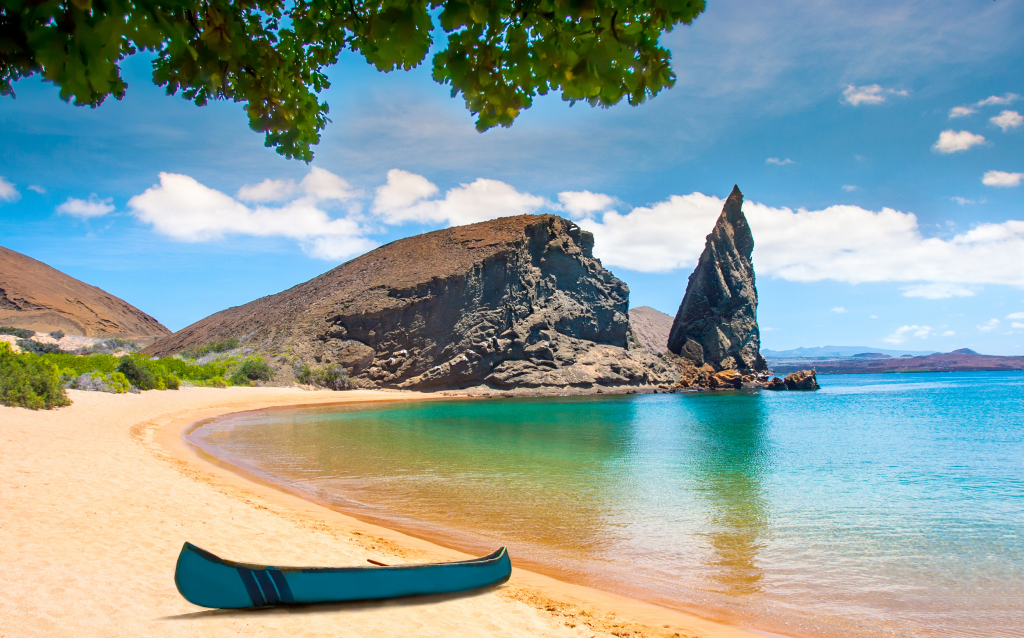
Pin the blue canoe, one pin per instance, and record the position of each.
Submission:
(209, 581)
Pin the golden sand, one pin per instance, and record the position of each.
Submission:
(97, 498)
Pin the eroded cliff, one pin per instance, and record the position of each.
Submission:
(512, 302)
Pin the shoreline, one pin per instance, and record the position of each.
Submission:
(112, 477)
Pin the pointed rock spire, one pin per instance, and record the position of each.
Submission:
(717, 320)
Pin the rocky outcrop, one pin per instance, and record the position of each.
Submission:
(717, 320)
(651, 328)
(36, 297)
(775, 384)
(802, 380)
(511, 303)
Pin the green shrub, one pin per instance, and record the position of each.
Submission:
(57, 334)
(147, 374)
(115, 382)
(17, 332)
(332, 377)
(27, 381)
(212, 347)
(252, 369)
(215, 382)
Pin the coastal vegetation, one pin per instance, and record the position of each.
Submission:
(29, 381)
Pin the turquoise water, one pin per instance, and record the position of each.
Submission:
(880, 505)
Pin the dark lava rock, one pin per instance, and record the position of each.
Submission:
(775, 384)
(717, 320)
(802, 380)
(517, 302)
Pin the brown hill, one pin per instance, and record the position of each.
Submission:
(37, 297)
(651, 327)
(511, 302)
(963, 360)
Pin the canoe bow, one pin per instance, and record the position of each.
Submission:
(207, 580)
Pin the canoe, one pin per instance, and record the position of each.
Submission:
(210, 581)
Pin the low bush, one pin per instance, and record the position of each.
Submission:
(332, 377)
(212, 347)
(27, 381)
(115, 382)
(17, 332)
(28, 345)
(57, 334)
(252, 369)
(147, 374)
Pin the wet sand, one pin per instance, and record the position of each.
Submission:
(98, 498)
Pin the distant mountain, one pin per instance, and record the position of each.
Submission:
(651, 327)
(37, 297)
(963, 360)
(837, 351)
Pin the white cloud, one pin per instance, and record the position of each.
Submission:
(840, 243)
(1017, 324)
(86, 208)
(961, 111)
(903, 333)
(963, 201)
(997, 100)
(581, 204)
(1001, 179)
(404, 198)
(839, 310)
(1007, 120)
(952, 141)
(849, 188)
(183, 209)
(989, 325)
(779, 162)
(37, 189)
(873, 317)
(948, 333)
(870, 94)
(8, 192)
(269, 190)
(1015, 315)
(937, 291)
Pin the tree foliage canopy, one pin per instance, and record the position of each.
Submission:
(272, 54)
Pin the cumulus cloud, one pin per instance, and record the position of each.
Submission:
(86, 208)
(903, 333)
(963, 201)
(870, 94)
(37, 189)
(937, 291)
(998, 100)
(989, 325)
(952, 141)
(839, 310)
(779, 162)
(961, 111)
(839, 243)
(849, 188)
(581, 204)
(1007, 120)
(1015, 315)
(1001, 179)
(181, 208)
(8, 192)
(408, 197)
(948, 333)
(1017, 324)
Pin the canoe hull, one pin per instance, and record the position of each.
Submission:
(209, 581)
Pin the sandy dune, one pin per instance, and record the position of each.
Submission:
(97, 499)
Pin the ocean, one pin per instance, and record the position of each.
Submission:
(881, 505)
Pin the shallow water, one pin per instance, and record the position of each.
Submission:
(880, 505)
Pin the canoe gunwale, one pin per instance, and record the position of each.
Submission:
(493, 557)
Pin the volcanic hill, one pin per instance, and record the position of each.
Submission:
(37, 297)
(511, 302)
(651, 328)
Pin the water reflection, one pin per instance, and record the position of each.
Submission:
(730, 472)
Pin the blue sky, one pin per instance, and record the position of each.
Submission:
(882, 216)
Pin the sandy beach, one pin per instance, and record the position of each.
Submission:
(98, 498)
